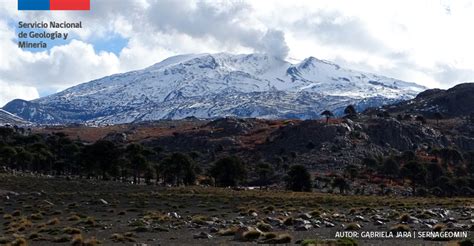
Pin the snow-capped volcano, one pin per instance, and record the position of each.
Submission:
(217, 85)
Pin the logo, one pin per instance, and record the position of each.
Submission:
(54, 4)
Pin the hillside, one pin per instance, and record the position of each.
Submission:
(217, 85)
(457, 101)
(7, 118)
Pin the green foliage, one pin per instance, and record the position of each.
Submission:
(350, 110)
(466, 242)
(352, 171)
(298, 179)
(345, 241)
(341, 183)
(391, 167)
(228, 171)
(369, 162)
(7, 155)
(264, 172)
(328, 114)
(138, 162)
(415, 172)
(178, 168)
(100, 156)
(434, 171)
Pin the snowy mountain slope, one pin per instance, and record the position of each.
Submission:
(216, 85)
(7, 118)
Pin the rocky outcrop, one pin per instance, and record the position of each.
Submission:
(388, 132)
(306, 135)
(455, 102)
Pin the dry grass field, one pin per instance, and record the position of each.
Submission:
(56, 211)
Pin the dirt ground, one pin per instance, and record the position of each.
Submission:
(59, 211)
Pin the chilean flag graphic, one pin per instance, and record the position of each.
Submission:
(54, 4)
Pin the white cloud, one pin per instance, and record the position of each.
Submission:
(425, 41)
(10, 92)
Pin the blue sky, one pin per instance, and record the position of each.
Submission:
(110, 43)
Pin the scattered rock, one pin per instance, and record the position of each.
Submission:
(450, 219)
(379, 218)
(239, 234)
(378, 222)
(202, 235)
(273, 221)
(328, 224)
(360, 218)
(48, 202)
(300, 221)
(431, 221)
(174, 215)
(305, 216)
(429, 212)
(456, 226)
(426, 226)
(305, 227)
(12, 193)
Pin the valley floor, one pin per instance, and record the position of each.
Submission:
(83, 212)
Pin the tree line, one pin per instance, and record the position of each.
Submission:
(443, 172)
(56, 154)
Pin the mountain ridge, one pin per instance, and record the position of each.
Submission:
(457, 101)
(217, 85)
(7, 118)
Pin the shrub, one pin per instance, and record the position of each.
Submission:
(62, 239)
(19, 242)
(466, 242)
(71, 231)
(288, 221)
(126, 237)
(270, 235)
(36, 216)
(90, 221)
(54, 221)
(92, 242)
(405, 218)
(264, 227)
(4, 240)
(200, 219)
(346, 242)
(280, 239)
(73, 218)
(439, 227)
(251, 235)
(228, 171)
(77, 240)
(399, 227)
(315, 213)
(141, 229)
(33, 235)
(227, 232)
(352, 227)
(298, 179)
